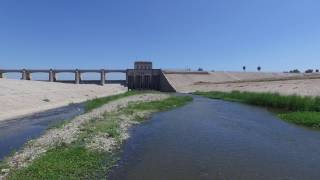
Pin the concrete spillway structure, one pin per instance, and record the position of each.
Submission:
(26, 74)
(142, 77)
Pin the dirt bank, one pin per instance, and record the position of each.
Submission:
(301, 84)
(307, 87)
(18, 97)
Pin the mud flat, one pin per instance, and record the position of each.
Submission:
(19, 98)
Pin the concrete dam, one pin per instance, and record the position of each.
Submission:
(141, 77)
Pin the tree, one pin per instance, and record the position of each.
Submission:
(200, 69)
(295, 71)
(317, 70)
(244, 68)
(309, 71)
(259, 68)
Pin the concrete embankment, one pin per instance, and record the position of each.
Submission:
(283, 83)
(19, 97)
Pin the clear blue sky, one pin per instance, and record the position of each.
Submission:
(214, 34)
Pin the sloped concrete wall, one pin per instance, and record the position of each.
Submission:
(183, 81)
(165, 85)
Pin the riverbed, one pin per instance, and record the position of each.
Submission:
(15, 133)
(213, 139)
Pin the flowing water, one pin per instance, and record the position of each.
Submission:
(213, 139)
(16, 132)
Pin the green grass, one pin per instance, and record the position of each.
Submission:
(155, 106)
(309, 119)
(301, 110)
(111, 127)
(70, 162)
(109, 124)
(271, 100)
(57, 125)
(97, 102)
(162, 105)
(75, 161)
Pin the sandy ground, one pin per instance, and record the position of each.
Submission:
(215, 82)
(19, 98)
(181, 81)
(308, 87)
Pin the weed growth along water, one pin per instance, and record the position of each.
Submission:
(301, 110)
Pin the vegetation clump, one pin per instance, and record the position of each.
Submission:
(259, 68)
(46, 100)
(294, 71)
(66, 162)
(296, 109)
(309, 71)
(97, 102)
(310, 119)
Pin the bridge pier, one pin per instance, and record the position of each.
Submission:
(55, 76)
(77, 76)
(24, 75)
(103, 77)
(28, 74)
(51, 76)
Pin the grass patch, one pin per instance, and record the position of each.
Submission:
(162, 105)
(301, 110)
(109, 124)
(75, 161)
(59, 124)
(98, 102)
(310, 119)
(111, 127)
(67, 163)
(271, 100)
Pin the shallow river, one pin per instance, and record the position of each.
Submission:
(212, 139)
(16, 132)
